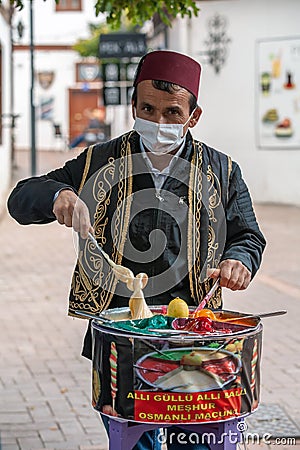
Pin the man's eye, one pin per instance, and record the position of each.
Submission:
(174, 111)
(147, 108)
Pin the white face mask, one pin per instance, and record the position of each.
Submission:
(160, 138)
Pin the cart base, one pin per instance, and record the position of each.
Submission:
(123, 435)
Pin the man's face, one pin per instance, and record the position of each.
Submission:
(161, 107)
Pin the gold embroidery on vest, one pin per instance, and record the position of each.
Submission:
(214, 194)
(81, 284)
(198, 289)
(86, 167)
(122, 217)
(89, 272)
(191, 226)
(123, 207)
(229, 161)
(86, 285)
(195, 202)
(102, 190)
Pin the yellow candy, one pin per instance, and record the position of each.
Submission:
(205, 313)
(178, 308)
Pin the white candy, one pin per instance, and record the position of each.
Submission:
(137, 303)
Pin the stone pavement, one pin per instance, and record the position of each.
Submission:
(45, 387)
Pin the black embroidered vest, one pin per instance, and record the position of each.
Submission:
(114, 174)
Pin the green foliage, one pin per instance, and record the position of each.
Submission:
(137, 11)
(89, 47)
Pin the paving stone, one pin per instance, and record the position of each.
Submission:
(51, 434)
(13, 408)
(30, 426)
(30, 443)
(63, 445)
(271, 420)
(91, 427)
(30, 391)
(260, 446)
(103, 441)
(71, 427)
(14, 446)
(21, 433)
(94, 447)
(15, 417)
(7, 440)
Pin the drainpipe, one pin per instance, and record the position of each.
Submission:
(32, 105)
(12, 89)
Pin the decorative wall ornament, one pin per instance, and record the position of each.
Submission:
(217, 42)
(45, 78)
(88, 72)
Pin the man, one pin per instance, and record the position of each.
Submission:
(159, 202)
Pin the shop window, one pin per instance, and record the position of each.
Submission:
(68, 5)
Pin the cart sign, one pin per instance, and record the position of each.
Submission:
(122, 45)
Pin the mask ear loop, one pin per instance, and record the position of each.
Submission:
(189, 118)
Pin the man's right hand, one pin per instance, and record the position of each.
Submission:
(71, 211)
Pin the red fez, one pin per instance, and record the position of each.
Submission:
(170, 66)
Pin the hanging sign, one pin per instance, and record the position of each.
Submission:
(122, 45)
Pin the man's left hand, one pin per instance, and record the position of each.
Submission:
(233, 274)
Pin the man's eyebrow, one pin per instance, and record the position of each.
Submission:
(172, 108)
(143, 104)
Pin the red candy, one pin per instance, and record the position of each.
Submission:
(203, 325)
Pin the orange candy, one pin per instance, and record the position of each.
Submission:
(205, 313)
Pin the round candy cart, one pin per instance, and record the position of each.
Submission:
(146, 378)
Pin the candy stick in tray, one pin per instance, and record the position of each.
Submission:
(113, 361)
